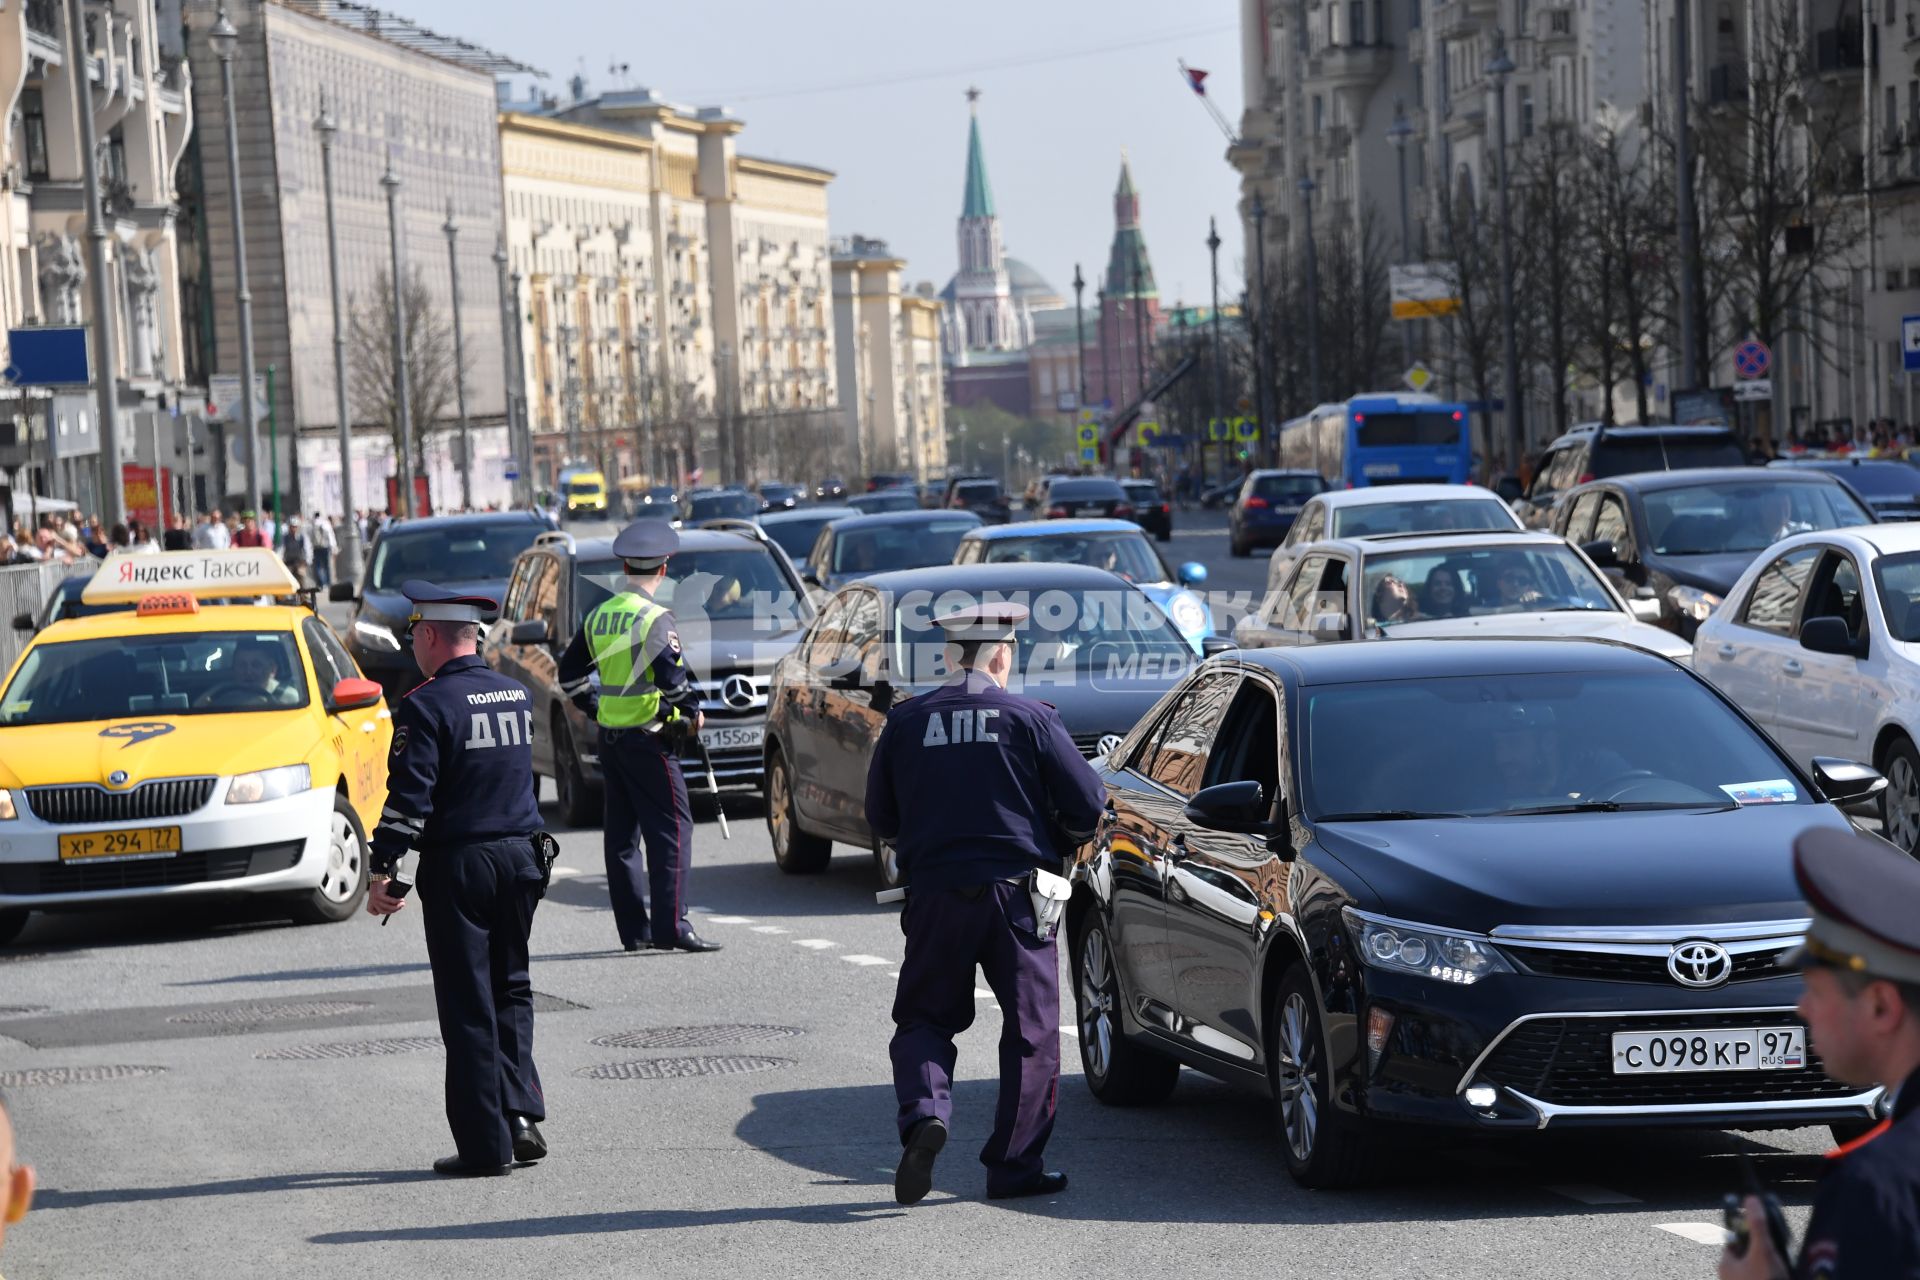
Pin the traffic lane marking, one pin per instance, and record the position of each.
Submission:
(815, 944)
(768, 928)
(1699, 1232)
(727, 920)
(866, 960)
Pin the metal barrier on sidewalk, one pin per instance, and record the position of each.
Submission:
(24, 588)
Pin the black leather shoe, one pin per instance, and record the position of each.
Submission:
(688, 941)
(529, 1144)
(457, 1167)
(632, 947)
(914, 1176)
(1040, 1184)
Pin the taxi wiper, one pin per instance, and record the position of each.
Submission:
(1386, 815)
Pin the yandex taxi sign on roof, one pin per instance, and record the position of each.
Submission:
(239, 571)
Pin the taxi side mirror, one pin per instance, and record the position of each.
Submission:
(23, 622)
(340, 592)
(354, 693)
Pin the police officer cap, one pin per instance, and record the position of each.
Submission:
(437, 604)
(1862, 891)
(646, 544)
(982, 622)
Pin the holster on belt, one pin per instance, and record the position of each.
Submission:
(1050, 894)
(546, 852)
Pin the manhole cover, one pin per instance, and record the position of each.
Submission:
(694, 1037)
(349, 1049)
(246, 1014)
(72, 1075)
(682, 1068)
(15, 1010)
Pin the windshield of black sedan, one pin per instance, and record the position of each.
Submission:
(1127, 554)
(1497, 744)
(882, 548)
(1471, 582)
(451, 553)
(173, 674)
(1711, 519)
(1118, 635)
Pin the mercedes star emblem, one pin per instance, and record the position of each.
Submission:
(1698, 963)
(737, 692)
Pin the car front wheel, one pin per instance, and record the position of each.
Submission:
(343, 883)
(796, 852)
(1322, 1146)
(579, 801)
(1900, 802)
(1119, 1072)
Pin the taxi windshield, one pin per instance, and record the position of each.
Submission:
(1504, 744)
(174, 674)
(1472, 582)
(1126, 554)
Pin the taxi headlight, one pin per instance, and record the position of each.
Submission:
(375, 636)
(1462, 958)
(1189, 615)
(7, 811)
(269, 784)
(1693, 603)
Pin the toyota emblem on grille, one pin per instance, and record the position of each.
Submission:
(737, 692)
(1109, 743)
(1699, 963)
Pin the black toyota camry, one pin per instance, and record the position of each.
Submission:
(1487, 884)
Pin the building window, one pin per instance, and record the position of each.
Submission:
(1526, 110)
(33, 123)
(1913, 277)
(1893, 279)
(1413, 15)
(1357, 22)
(1419, 85)
(1319, 113)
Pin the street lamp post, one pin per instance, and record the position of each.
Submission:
(1400, 133)
(403, 408)
(1683, 201)
(459, 361)
(1079, 334)
(1313, 292)
(225, 39)
(1140, 331)
(510, 353)
(1499, 69)
(348, 568)
(1219, 373)
(105, 373)
(1262, 340)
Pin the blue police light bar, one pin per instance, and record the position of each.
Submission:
(47, 356)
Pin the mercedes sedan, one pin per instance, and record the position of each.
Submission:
(1454, 883)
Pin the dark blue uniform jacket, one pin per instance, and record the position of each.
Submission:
(973, 784)
(1866, 1215)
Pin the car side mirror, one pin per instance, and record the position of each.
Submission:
(1845, 781)
(1241, 808)
(1604, 552)
(1644, 609)
(1192, 573)
(1828, 635)
(845, 680)
(1507, 489)
(353, 693)
(340, 592)
(23, 622)
(1210, 645)
(883, 695)
(1329, 626)
(531, 631)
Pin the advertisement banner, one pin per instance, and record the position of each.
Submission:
(147, 498)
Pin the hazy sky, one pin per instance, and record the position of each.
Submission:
(876, 92)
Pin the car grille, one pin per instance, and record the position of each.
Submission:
(1089, 744)
(88, 802)
(26, 879)
(1605, 966)
(1569, 1062)
(713, 704)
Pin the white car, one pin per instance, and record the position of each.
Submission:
(1462, 584)
(1824, 666)
(1398, 508)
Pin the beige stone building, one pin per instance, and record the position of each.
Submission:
(888, 344)
(137, 83)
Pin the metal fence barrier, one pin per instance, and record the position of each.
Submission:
(24, 588)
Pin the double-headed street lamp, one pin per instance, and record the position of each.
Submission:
(1499, 70)
(1313, 292)
(1219, 374)
(1400, 133)
(459, 361)
(348, 568)
(1079, 334)
(1263, 323)
(224, 40)
(403, 407)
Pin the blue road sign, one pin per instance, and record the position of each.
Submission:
(1752, 359)
(1910, 343)
(47, 356)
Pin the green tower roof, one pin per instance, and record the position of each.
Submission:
(979, 198)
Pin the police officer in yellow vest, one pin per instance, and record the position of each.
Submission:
(625, 668)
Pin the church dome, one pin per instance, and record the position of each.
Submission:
(1030, 287)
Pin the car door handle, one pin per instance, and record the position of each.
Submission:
(1792, 667)
(1727, 651)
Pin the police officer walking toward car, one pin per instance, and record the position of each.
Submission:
(973, 785)
(1861, 959)
(460, 791)
(625, 669)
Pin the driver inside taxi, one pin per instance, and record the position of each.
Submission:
(251, 679)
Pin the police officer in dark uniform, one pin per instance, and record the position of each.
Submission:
(460, 790)
(1861, 960)
(973, 785)
(625, 669)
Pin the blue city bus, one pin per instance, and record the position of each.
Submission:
(1381, 439)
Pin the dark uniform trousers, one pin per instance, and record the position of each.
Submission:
(646, 804)
(477, 904)
(949, 931)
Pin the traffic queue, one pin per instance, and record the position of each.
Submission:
(1484, 818)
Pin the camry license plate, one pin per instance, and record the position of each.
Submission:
(732, 736)
(1732, 1049)
(121, 846)
(1087, 511)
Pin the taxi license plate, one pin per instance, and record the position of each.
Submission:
(1742, 1049)
(732, 736)
(120, 846)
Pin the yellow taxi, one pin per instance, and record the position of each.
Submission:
(185, 747)
(586, 493)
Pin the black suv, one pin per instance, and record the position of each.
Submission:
(1594, 452)
(470, 553)
(737, 605)
(1436, 883)
(981, 495)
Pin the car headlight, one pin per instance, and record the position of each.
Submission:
(1396, 945)
(1189, 614)
(375, 636)
(269, 784)
(7, 811)
(1692, 602)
